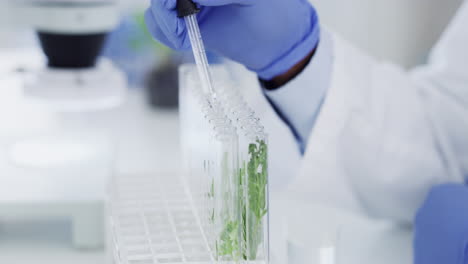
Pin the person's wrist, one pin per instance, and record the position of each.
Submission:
(282, 62)
(282, 79)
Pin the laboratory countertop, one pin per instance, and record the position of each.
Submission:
(147, 141)
(356, 239)
(43, 242)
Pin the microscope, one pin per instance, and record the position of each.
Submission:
(63, 171)
(72, 34)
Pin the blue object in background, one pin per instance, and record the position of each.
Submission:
(132, 49)
(441, 226)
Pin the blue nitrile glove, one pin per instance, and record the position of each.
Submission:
(441, 227)
(268, 36)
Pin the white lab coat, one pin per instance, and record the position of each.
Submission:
(384, 135)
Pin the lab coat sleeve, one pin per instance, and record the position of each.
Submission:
(385, 136)
(299, 101)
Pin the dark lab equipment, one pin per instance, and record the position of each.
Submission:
(162, 86)
(72, 51)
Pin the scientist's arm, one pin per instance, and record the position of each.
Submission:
(389, 135)
(382, 137)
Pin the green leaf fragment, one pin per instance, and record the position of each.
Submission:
(229, 240)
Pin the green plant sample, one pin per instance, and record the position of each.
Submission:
(257, 176)
(229, 238)
(252, 202)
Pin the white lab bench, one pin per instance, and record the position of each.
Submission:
(355, 239)
(146, 141)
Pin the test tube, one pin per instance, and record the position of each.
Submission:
(233, 213)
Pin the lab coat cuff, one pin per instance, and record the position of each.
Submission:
(299, 101)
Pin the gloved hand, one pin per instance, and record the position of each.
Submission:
(268, 36)
(441, 227)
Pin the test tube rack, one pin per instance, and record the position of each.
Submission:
(151, 220)
(217, 212)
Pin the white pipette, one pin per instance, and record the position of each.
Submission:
(188, 10)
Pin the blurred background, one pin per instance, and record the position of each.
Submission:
(48, 218)
(399, 31)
